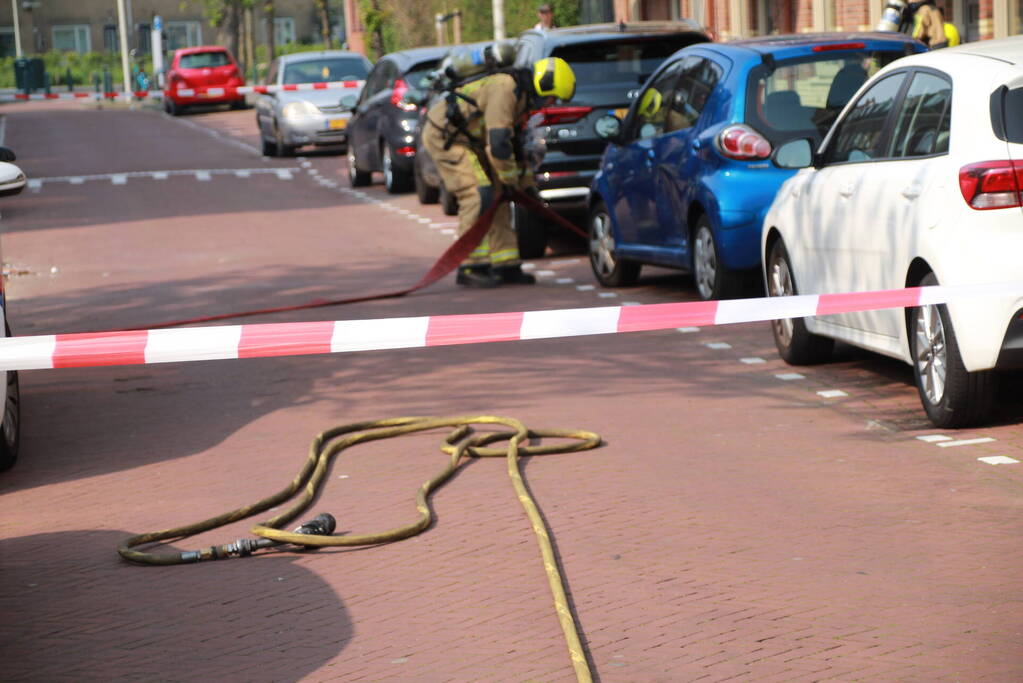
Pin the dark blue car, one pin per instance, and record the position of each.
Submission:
(688, 175)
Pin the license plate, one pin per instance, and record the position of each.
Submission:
(337, 124)
(620, 113)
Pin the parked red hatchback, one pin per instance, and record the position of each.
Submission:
(194, 68)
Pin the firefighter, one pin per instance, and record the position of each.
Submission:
(473, 135)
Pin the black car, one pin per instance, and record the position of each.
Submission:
(611, 62)
(383, 131)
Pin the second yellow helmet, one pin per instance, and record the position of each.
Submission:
(553, 77)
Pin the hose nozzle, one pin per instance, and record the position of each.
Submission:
(321, 525)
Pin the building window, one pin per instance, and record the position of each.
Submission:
(7, 43)
(143, 38)
(284, 30)
(73, 38)
(111, 42)
(178, 34)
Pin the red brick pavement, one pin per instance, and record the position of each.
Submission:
(733, 527)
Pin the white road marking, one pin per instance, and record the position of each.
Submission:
(545, 273)
(998, 460)
(118, 179)
(160, 175)
(752, 360)
(832, 393)
(717, 345)
(242, 173)
(607, 295)
(585, 288)
(284, 174)
(687, 330)
(931, 438)
(965, 442)
(203, 176)
(424, 221)
(76, 181)
(789, 376)
(447, 231)
(565, 262)
(564, 281)
(631, 303)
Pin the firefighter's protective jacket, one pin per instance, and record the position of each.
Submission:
(492, 122)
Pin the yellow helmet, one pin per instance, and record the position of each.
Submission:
(553, 77)
(650, 104)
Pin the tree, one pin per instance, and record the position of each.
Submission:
(323, 12)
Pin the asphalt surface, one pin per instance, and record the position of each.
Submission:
(736, 524)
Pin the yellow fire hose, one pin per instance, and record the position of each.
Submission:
(458, 444)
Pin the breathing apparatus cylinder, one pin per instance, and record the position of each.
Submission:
(465, 63)
(891, 17)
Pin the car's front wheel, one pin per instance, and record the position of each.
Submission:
(356, 176)
(171, 107)
(269, 148)
(283, 149)
(796, 345)
(951, 396)
(396, 180)
(609, 270)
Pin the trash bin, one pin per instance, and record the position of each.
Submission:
(29, 74)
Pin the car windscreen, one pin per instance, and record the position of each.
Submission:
(326, 70)
(803, 97)
(622, 62)
(204, 60)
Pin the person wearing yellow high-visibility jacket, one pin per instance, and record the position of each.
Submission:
(473, 139)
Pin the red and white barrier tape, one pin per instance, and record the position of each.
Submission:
(226, 91)
(292, 339)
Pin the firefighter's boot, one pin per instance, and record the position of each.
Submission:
(513, 275)
(476, 276)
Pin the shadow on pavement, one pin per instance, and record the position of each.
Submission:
(110, 620)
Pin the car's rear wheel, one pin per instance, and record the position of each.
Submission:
(171, 107)
(951, 396)
(531, 232)
(424, 191)
(356, 176)
(396, 180)
(609, 270)
(10, 431)
(448, 202)
(713, 280)
(796, 345)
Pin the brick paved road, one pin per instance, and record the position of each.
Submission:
(734, 526)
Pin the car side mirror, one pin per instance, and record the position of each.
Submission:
(794, 154)
(349, 101)
(608, 127)
(7, 154)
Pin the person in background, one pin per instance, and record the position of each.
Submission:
(951, 32)
(546, 15)
(928, 24)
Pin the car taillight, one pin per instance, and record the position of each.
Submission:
(838, 46)
(398, 96)
(743, 143)
(992, 184)
(554, 115)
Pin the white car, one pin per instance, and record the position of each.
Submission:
(917, 183)
(12, 181)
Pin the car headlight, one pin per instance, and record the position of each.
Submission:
(298, 110)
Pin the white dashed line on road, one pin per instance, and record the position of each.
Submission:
(687, 330)
(964, 442)
(717, 345)
(203, 176)
(998, 460)
(119, 179)
(931, 438)
(790, 376)
(752, 360)
(832, 393)
(585, 288)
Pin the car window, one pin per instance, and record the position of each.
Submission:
(417, 77)
(376, 80)
(628, 62)
(204, 60)
(325, 70)
(804, 96)
(858, 136)
(922, 124)
(695, 85)
(651, 112)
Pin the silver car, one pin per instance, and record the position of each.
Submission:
(289, 119)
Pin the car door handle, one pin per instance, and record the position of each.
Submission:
(911, 192)
(846, 190)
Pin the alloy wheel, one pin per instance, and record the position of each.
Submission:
(602, 245)
(705, 262)
(779, 283)
(931, 353)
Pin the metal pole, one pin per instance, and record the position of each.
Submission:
(498, 9)
(17, 30)
(458, 26)
(123, 30)
(438, 23)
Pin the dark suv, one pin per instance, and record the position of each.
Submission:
(382, 134)
(611, 62)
